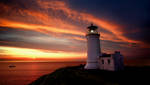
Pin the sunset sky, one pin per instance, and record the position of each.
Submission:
(55, 29)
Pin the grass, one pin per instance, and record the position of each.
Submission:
(78, 76)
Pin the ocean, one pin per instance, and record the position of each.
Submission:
(26, 72)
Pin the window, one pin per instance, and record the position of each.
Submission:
(102, 61)
(108, 61)
(92, 31)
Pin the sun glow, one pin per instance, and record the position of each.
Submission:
(35, 53)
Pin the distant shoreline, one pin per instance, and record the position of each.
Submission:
(134, 65)
(47, 61)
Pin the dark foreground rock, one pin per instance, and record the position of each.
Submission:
(78, 76)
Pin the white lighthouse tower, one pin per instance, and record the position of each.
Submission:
(93, 48)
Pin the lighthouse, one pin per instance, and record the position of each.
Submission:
(93, 47)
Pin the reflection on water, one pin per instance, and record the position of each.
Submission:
(26, 72)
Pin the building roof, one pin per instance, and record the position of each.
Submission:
(92, 27)
(105, 55)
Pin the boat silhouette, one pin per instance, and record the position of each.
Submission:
(12, 66)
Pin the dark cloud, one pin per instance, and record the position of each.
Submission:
(37, 40)
(20, 4)
(132, 15)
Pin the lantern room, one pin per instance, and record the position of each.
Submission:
(92, 29)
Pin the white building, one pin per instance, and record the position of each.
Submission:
(93, 48)
(112, 62)
(98, 60)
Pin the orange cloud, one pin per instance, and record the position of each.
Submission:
(35, 16)
(40, 28)
(47, 19)
(57, 25)
(48, 29)
(51, 24)
(75, 15)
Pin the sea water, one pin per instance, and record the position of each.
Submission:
(26, 72)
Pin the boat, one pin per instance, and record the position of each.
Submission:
(12, 66)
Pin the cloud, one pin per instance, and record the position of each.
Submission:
(130, 15)
(37, 40)
(75, 15)
(61, 25)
